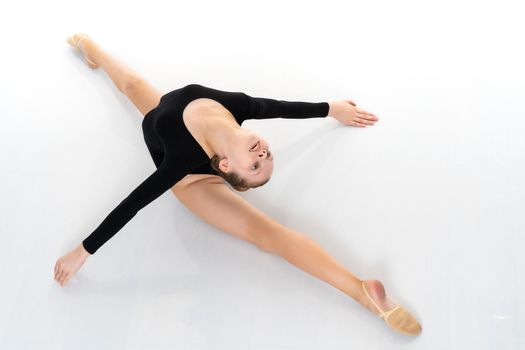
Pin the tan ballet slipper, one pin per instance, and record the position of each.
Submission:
(75, 41)
(397, 318)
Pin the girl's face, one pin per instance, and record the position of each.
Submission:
(251, 158)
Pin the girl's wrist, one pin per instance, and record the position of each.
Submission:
(330, 109)
(82, 250)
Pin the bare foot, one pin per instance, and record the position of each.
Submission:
(78, 41)
(377, 292)
(69, 264)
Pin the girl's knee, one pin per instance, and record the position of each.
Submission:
(267, 232)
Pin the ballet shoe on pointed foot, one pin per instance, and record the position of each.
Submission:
(75, 41)
(397, 318)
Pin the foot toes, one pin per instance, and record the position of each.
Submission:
(75, 41)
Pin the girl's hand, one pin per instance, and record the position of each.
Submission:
(69, 264)
(346, 112)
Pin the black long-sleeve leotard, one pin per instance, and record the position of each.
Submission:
(176, 153)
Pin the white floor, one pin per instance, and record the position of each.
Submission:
(429, 200)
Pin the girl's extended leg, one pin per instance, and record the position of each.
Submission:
(219, 206)
(141, 93)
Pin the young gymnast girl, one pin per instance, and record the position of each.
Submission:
(194, 136)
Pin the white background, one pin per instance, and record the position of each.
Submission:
(429, 200)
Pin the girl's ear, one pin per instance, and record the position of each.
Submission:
(224, 165)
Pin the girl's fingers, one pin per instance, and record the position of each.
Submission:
(362, 111)
(61, 275)
(367, 114)
(364, 119)
(358, 124)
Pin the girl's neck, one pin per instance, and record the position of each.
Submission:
(218, 131)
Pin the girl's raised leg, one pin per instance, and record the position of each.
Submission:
(141, 93)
